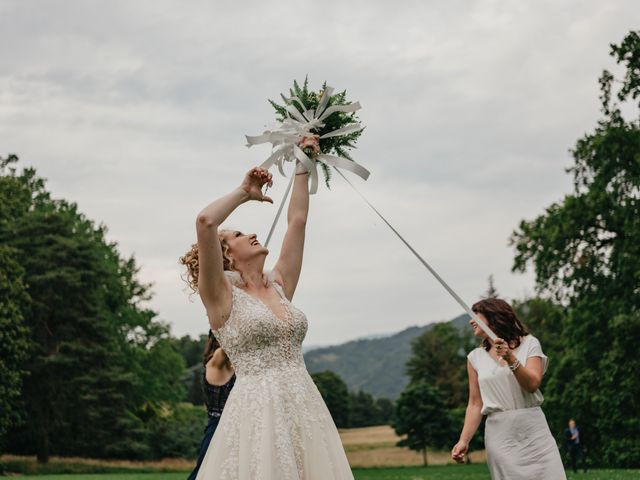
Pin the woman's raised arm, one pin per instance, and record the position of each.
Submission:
(214, 288)
(289, 264)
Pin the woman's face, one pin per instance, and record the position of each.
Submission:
(477, 331)
(243, 247)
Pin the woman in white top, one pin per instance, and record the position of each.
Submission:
(504, 381)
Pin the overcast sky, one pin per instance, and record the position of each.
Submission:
(137, 111)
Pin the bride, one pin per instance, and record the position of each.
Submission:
(275, 425)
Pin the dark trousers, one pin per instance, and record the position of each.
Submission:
(575, 451)
(204, 445)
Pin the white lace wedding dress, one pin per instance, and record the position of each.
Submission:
(275, 425)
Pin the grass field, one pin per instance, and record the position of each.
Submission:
(376, 447)
(365, 447)
(372, 453)
(448, 472)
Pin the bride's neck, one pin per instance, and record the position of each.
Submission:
(252, 274)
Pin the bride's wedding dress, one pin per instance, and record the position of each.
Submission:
(275, 425)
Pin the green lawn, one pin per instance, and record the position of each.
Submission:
(473, 472)
(450, 472)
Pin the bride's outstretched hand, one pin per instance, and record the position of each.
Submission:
(253, 182)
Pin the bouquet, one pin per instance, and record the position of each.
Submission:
(314, 128)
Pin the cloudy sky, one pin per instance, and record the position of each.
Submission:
(137, 111)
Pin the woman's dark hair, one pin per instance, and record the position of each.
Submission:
(502, 320)
(209, 349)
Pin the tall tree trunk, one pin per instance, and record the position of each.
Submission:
(424, 456)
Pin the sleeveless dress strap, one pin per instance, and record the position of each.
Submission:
(278, 289)
(234, 278)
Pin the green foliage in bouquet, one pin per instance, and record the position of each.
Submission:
(338, 145)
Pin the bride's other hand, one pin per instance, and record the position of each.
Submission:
(253, 182)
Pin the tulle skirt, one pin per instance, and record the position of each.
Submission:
(275, 426)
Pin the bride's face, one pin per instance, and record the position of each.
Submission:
(242, 246)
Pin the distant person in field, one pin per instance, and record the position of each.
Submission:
(504, 381)
(575, 447)
(218, 379)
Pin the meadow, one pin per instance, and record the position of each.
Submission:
(372, 453)
(376, 447)
(439, 472)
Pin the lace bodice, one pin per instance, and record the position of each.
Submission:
(257, 341)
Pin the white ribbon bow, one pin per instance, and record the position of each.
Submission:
(285, 136)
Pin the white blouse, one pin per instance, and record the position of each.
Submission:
(499, 387)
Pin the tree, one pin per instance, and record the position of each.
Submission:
(194, 383)
(363, 410)
(439, 358)
(384, 411)
(176, 431)
(14, 304)
(491, 289)
(190, 349)
(586, 254)
(335, 394)
(421, 415)
(99, 356)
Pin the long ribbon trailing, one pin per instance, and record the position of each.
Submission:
(285, 136)
(485, 328)
(284, 200)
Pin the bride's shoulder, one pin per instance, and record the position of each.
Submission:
(235, 279)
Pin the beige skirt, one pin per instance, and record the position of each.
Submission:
(519, 446)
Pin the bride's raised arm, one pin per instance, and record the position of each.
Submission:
(213, 286)
(289, 264)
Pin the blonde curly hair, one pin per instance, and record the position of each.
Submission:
(191, 261)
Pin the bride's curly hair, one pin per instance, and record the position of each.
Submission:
(191, 261)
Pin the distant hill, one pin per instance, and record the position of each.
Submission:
(375, 365)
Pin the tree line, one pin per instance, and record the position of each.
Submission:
(87, 369)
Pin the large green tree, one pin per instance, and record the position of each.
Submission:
(547, 320)
(363, 410)
(191, 349)
(99, 355)
(439, 358)
(14, 305)
(335, 394)
(14, 340)
(423, 419)
(586, 253)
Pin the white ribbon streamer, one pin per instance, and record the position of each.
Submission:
(485, 328)
(284, 200)
(285, 136)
